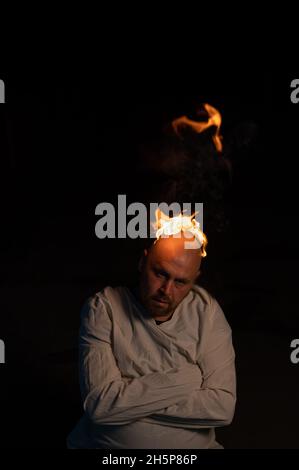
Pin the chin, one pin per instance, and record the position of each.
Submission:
(156, 310)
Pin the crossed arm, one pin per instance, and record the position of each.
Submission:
(195, 396)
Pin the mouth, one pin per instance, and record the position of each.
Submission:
(161, 302)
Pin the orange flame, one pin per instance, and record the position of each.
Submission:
(214, 120)
(166, 226)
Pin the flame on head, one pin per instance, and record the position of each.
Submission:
(213, 120)
(166, 226)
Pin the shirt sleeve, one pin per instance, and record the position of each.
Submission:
(213, 403)
(110, 398)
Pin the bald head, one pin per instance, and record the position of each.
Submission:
(173, 250)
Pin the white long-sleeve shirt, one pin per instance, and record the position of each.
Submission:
(146, 385)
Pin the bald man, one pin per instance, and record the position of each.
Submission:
(156, 362)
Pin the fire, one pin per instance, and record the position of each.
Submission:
(213, 120)
(166, 226)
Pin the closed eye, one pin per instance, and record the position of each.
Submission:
(161, 274)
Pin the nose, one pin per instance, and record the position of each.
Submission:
(166, 288)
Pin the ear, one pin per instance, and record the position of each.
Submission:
(141, 261)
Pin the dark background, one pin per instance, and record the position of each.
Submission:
(68, 143)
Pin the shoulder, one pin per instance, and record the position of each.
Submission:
(95, 309)
(209, 308)
(205, 301)
(99, 304)
(203, 296)
(96, 316)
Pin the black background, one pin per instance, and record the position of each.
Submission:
(67, 142)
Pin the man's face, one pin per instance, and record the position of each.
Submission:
(168, 272)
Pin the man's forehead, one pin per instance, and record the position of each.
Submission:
(174, 246)
(172, 250)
